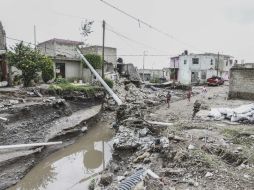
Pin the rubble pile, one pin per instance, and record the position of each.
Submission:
(244, 113)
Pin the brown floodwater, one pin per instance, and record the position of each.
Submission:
(72, 167)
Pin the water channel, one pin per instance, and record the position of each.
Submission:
(73, 167)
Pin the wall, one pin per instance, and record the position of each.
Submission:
(241, 83)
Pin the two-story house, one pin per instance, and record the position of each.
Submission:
(197, 68)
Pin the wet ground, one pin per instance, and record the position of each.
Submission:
(72, 167)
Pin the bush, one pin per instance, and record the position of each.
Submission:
(47, 70)
(109, 82)
(94, 60)
(61, 80)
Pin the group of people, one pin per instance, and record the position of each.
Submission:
(189, 94)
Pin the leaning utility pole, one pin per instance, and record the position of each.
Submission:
(103, 46)
(218, 63)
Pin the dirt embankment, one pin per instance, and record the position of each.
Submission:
(29, 117)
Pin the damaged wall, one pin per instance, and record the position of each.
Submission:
(241, 83)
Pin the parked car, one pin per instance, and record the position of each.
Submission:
(215, 81)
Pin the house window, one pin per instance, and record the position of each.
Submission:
(185, 62)
(211, 61)
(230, 61)
(227, 63)
(195, 60)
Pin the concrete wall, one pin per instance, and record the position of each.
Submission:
(241, 83)
(53, 49)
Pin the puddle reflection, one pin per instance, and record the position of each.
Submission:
(72, 167)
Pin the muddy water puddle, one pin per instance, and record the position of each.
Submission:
(72, 167)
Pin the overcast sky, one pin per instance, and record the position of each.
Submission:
(199, 26)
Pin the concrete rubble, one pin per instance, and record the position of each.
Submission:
(184, 152)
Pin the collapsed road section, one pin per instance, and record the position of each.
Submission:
(32, 116)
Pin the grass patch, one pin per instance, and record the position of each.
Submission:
(68, 87)
(238, 136)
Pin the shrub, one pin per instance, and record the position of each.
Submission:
(47, 69)
(94, 60)
(109, 82)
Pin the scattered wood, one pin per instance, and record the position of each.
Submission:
(3, 119)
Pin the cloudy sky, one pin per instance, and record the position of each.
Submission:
(225, 26)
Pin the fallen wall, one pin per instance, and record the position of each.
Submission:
(241, 83)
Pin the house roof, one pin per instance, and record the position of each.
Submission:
(63, 41)
(97, 46)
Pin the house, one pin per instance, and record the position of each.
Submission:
(3, 49)
(197, 68)
(241, 82)
(150, 74)
(67, 62)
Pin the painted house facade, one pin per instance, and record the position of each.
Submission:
(67, 63)
(197, 68)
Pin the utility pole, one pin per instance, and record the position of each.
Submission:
(35, 37)
(103, 46)
(144, 66)
(218, 63)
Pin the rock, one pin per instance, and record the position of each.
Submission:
(191, 147)
(142, 157)
(208, 174)
(120, 178)
(106, 179)
(146, 160)
(13, 102)
(140, 186)
(143, 132)
(84, 129)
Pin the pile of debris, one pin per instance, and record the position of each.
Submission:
(244, 113)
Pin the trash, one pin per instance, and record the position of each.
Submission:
(242, 113)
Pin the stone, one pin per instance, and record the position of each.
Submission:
(191, 147)
(208, 174)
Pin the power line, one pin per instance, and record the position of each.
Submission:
(129, 39)
(146, 24)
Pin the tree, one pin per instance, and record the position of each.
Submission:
(86, 28)
(30, 62)
(95, 60)
(47, 69)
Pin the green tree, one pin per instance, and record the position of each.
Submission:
(30, 62)
(47, 69)
(94, 60)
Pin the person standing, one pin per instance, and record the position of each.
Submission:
(168, 97)
(189, 95)
(204, 91)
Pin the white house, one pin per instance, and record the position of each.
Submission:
(194, 68)
(66, 60)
